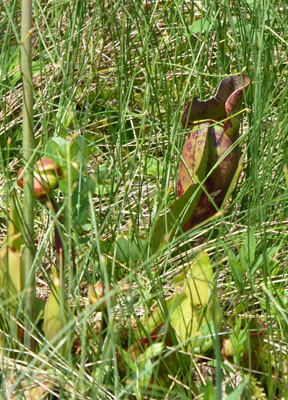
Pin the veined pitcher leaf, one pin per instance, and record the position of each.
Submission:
(193, 165)
(220, 117)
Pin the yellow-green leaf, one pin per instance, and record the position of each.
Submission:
(14, 238)
(186, 320)
(199, 280)
(56, 317)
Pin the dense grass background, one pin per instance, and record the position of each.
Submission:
(112, 79)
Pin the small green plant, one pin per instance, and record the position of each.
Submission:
(245, 345)
(12, 275)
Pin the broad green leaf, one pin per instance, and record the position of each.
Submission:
(15, 73)
(80, 203)
(193, 325)
(152, 351)
(127, 249)
(144, 374)
(185, 320)
(161, 315)
(198, 282)
(201, 25)
(11, 258)
(56, 149)
(57, 317)
(236, 394)
(14, 237)
(206, 340)
(64, 117)
(124, 250)
(78, 150)
(237, 271)
(208, 390)
(69, 155)
(101, 182)
(198, 311)
(199, 265)
(126, 357)
(152, 166)
(191, 312)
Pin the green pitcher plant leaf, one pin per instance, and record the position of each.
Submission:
(14, 237)
(11, 270)
(201, 305)
(57, 317)
(198, 280)
(194, 309)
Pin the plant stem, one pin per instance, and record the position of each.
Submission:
(28, 144)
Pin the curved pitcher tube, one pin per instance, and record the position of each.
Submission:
(213, 126)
